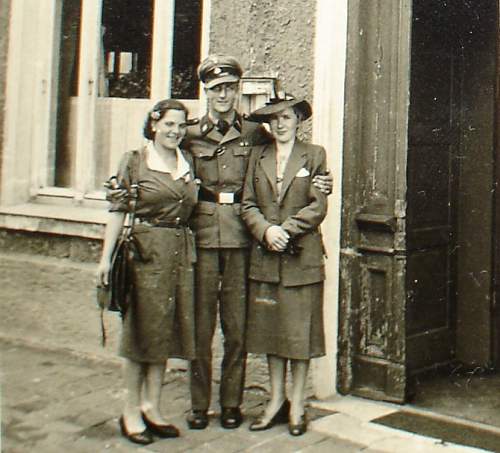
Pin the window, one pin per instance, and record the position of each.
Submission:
(111, 59)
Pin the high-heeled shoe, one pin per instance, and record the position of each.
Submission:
(281, 416)
(144, 438)
(163, 431)
(299, 428)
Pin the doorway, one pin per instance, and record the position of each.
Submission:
(452, 325)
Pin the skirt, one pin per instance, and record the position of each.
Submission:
(160, 320)
(286, 321)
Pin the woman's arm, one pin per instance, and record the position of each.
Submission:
(113, 229)
(310, 216)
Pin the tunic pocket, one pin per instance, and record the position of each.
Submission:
(241, 155)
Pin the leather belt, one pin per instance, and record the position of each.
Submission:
(219, 197)
(160, 223)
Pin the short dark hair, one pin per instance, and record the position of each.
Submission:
(157, 113)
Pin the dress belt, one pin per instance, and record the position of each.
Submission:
(160, 223)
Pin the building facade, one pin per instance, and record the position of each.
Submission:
(404, 100)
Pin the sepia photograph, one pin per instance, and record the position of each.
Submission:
(250, 226)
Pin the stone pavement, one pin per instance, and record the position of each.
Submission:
(61, 391)
(58, 401)
(55, 401)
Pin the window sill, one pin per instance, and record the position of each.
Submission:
(84, 222)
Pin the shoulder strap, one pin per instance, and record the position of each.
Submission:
(133, 192)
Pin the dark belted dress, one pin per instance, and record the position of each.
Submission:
(160, 321)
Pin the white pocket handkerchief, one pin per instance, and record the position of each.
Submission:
(302, 173)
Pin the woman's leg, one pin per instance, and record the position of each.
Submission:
(299, 377)
(277, 374)
(152, 394)
(133, 377)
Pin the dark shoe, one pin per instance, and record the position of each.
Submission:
(143, 438)
(160, 430)
(197, 419)
(279, 417)
(231, 417)
(300, 428)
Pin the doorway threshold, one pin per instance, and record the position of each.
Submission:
(446, 428)
(472, 395)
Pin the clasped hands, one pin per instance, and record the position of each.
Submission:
(276, 238)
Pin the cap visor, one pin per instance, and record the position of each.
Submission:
(224, 79)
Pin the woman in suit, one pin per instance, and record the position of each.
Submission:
(283, 211)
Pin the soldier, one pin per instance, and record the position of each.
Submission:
(221, 144)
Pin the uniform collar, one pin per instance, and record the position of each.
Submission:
(207, 124)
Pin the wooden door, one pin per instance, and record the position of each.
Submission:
(416, 262)
(372, 356)
(433, 145)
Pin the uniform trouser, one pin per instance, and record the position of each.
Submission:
(221, 283)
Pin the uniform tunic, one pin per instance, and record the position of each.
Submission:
(223, 241)
(160, 321)
(285, 315)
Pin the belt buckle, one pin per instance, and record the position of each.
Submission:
(226, 197)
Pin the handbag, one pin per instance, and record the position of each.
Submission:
(118, 294)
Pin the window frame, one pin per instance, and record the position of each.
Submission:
(43, 149)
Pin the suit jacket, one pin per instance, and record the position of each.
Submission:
(299, 208)
(220, 162)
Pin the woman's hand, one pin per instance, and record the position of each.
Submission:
(102, 274)
(324, 182)
(116, 195)
(276, 238)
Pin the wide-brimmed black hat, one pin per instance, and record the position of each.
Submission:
(277, 104)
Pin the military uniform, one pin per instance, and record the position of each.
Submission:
(220, 163)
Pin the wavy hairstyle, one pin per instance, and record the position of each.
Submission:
(157, 113)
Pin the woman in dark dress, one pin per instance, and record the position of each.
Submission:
(159, 322)
(283, 211)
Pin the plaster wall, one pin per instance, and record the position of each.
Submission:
(270, 38)
(302, 43)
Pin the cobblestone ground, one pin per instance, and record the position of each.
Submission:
(61, 391)
(56, 401)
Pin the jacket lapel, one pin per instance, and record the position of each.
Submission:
(295, 162)
(268, 164)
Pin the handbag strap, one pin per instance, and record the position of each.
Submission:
(132, 204)
(134, 186)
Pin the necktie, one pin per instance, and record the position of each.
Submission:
(222, 126)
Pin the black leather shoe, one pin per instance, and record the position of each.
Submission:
(197, 419)
(230, 417)
(281, 416)
(160, 430)
(144, 438)
(300, 428)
